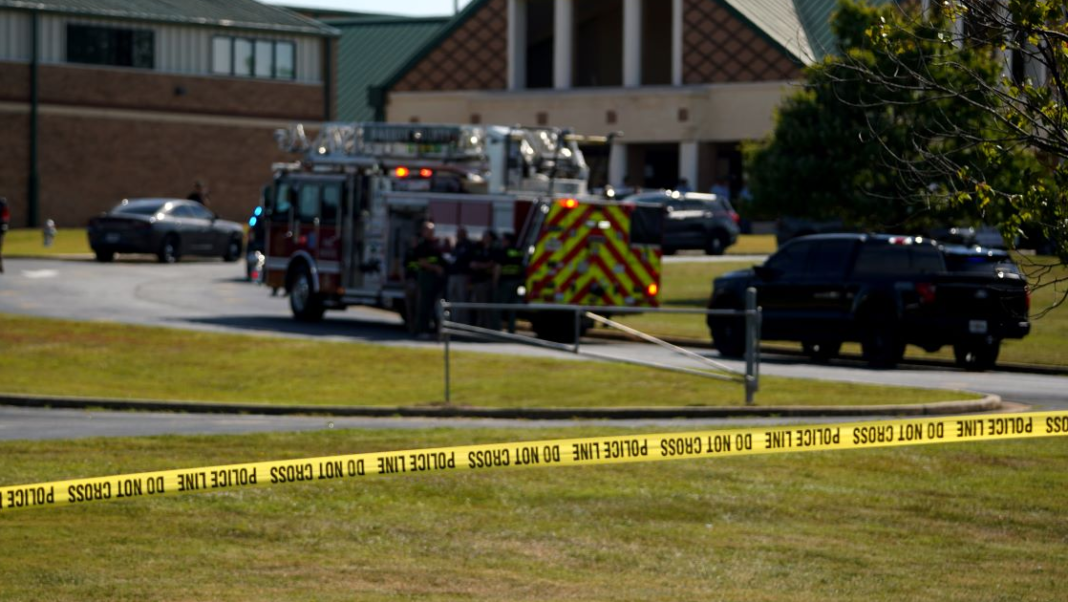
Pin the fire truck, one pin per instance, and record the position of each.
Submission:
(341, 218)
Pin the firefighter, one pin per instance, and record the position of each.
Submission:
(483, 279)
(430, 276)
(411, 283)
(458, 268)
(510, 260)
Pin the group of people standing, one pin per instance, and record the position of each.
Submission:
(488, 270)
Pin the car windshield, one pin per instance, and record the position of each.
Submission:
(147, 207)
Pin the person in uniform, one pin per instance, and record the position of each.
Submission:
(200, 193)
(411, 284)
(430, 277)
(512, 276)
(458, 271)
(484, 278)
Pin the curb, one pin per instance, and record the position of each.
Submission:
(990, 403)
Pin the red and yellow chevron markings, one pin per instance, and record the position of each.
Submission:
(584, 257)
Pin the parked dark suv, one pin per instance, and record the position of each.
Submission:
(694, 221)
(883, 292)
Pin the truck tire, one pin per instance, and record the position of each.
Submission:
(977, 355)
(821, 352)
(881, 342)
(717, 243)
(305, 303)
(104, 255)
(558, 328)
(728, 333)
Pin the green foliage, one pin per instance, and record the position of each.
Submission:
(870, 142)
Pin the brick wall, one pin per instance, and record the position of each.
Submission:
(125, 89)
(88, 164)
(15, 164)
(89, 159)
(474, 57)
(717, 47)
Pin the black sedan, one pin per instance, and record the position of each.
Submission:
(167, 228)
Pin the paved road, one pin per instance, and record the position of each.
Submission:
(694, 257)
(21, 424)
(213, 296)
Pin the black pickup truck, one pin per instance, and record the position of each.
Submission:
(882, 291)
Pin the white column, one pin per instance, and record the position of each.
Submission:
(688, 163)
(632, 43)
(617, 164)
(563, 43)
(1034, 69)
(517, 44)
(676, 42)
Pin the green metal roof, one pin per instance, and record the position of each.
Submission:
(801, 28)
(780, 21)
(242, 14)
(370, 52)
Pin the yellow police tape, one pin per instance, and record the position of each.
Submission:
(562, 452)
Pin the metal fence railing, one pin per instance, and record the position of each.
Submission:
(749, 377)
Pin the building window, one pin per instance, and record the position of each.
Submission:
(117, 47)
(285, 60)
(243, 57)
(262, 59)
(222, 56)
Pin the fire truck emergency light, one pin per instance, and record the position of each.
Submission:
(426, 173)
(402, 172)
(653, 289)
(568, 203)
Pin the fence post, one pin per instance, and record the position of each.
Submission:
(444, 332)
(578, 327)
(752, 344)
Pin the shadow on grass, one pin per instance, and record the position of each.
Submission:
(369, 330)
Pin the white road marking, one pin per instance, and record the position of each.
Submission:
(40, 274)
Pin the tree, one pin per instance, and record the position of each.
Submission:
(945, 110)
(849, 146)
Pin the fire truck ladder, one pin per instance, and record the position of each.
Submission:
(749, 377)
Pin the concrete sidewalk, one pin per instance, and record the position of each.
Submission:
(990, 403)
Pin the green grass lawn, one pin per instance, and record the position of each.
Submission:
(753, 244)
(57, 357)
(28, 242)
(959, 522)
(690, 284)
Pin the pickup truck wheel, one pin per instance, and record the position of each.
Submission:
(728, 333)
(881, 344)
(978, 355)
(104, 255)
(821, 352)
(306, 304)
